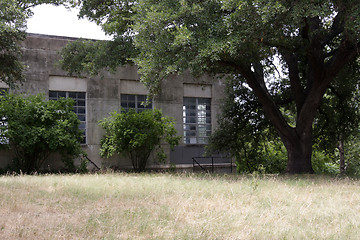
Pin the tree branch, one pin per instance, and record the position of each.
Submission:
(346, 52)
(296, 88)
(336, 28)
(261, 92)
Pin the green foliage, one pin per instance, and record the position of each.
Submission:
(137, 135)
(324, 163)
(83, 166)
(93, 56)
(246, 134)
(13, 16)
(252, 39)
(339, 116)
(33, 128)
(215, 36)
(288, 52)
(269, 157)
(338, 122)
(352, 155)
(12, 30)
(249, 137)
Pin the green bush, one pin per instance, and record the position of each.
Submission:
(33, 128)
(324, 163)
(137, 135)
(269, 157)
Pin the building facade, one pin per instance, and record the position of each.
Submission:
(193, 103)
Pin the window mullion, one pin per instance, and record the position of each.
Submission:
(197, 119)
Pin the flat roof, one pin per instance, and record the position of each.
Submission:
(57, 37)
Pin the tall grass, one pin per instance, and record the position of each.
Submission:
(163, 206)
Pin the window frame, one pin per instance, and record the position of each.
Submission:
(135, 101)
(79, 110)
(197, 124)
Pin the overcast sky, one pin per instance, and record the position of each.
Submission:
(52, 20)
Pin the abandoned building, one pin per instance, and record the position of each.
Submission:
(193, 103)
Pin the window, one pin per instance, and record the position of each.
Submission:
(79, 107)
(3, 121)
(197, 120)
(136, 102)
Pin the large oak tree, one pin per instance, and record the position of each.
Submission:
(302, 44)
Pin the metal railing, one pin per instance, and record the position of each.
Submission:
(212, 164)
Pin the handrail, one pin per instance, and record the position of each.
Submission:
(93, 163)
(212, 163)
(194, 161)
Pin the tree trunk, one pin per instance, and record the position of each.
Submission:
(342, 156)
(299, 154)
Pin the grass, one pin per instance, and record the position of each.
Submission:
(185, 206)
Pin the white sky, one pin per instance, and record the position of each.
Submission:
(59, 21)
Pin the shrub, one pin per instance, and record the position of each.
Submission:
(137, 135)
(33, 128)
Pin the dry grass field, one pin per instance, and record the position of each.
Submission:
(184, 206)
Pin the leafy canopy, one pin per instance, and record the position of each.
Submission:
(231, 36)
(240, 37)
(299, 46)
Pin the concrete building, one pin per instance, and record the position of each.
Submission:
(193, 103)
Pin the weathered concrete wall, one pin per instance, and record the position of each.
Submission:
(103, 93)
